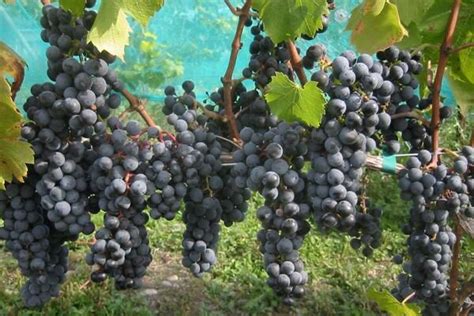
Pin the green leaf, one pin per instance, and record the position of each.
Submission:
(413, 39)
(288, 19)
(462, 91)
(292, 103)
(111, 30)
(466, 58)
(412, 11)
(75, 6)
(142, 10)
(391, 305)
(387, 25)
(258, 4)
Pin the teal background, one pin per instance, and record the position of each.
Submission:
(196, 32)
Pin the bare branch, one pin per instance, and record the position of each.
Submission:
(443, 61)
(460, 48)
(227, 79)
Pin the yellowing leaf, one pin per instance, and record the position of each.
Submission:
(75, 6)
(371, 33)
(292, 103)
(14, 153)
(11, 64)
(391, 305)
(14, 156)
(142, 10)
(111, 30)
(373, 6)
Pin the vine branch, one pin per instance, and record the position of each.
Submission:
(461, 47)
(443, 60)
(139, 106)
(295, 60)
(227, 79)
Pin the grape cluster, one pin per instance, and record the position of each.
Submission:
(272, 163)
(338, 148)
(121, 191)
(36, 246)
(435, 194)
(401, 68)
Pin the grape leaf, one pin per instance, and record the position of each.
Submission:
(391, 305)
(288, 19)
(14, 153)
(292, 103)
(412, 11)
(111, 30)
(75, 6)
(373, 6)
(13, 65)
(466, 58)
(387, 26)
(258, 4)
(462, 91)
(143, 10)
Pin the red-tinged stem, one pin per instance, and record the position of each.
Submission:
(443, 60)
(460, 48)
(296, 64)
(46, 2)
(227, 80)
(137, 105)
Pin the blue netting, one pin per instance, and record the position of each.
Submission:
(197, 32)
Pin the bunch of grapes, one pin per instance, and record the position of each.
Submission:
(34, 243)
(435, 195)
(271, 163)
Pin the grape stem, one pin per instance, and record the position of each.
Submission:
(461, 47)
(442, 62)
(138, 105)
(210, 114)
(412, 114)
(227, 79)
(235, 11)
(296, 64)
(229, 141)
(406, 299)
